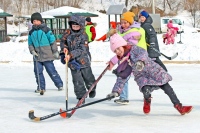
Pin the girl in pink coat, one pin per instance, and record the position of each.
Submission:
(148, 74)
(170, 35)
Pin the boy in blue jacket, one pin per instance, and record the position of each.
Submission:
(41, 44)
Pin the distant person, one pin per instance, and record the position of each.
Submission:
(90, 31)
(147, 74)
(151, 37)
(75, 43)
(169, 37)
(29, 24)
(41, 44)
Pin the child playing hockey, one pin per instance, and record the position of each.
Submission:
(42, 46)
(75, 43)
(148, 74)
(134, 35)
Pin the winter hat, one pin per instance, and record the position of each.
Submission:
(169, 25)
(116, 41)
(36, 16)
(144, 13)
(128, 16)
(88, 19)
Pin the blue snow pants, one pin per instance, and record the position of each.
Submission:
(50, 68)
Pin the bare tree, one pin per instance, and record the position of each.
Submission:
(193, 6)
(5, 4)
(18, 5)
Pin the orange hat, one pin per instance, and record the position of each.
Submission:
(128, 16)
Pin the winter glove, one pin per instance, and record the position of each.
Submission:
(112, 95)
(35, 55)
(74, 65)
(139, 65)
(111, 32)
(56, 55)
(152, 45)
(62, 58)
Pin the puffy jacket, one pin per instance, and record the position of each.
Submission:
(42, 40)
(77, 42)
(151, 37)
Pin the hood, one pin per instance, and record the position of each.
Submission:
(41, 26)
(78, 19)
(134, 25)
(149, 20)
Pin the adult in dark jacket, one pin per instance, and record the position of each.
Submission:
(151, 37)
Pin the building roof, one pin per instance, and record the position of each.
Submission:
(116, 9)
(4, 14)
(85, 14)
(43, 16)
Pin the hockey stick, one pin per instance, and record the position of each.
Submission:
(34, 118)
(38, 75)
(66, 81)
(64, 115)
(169, 58)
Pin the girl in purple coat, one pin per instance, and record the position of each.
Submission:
(148, 74)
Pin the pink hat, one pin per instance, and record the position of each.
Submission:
(116, 41)
(169, 25)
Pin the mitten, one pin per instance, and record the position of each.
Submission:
(111, 32)
(139, 65)
(112, 95)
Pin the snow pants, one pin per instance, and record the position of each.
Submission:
(82, 79)
(50, 68)
(146, 90)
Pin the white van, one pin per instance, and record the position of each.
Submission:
(176, 23)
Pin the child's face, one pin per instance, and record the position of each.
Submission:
(119, 51)
(37, 22)
(76, 27)
(142, 19)
(125, 24)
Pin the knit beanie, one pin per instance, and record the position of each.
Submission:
(144, 13)
(169, 25)
(128, 16)
(36, 16)
(88, 19)
(116, 41)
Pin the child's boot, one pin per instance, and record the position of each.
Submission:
(42, 92)
(147, 106)
(183, 109)
(92, 94)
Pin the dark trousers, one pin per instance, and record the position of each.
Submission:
(82, 79)
(50, 68)
(158, 61)
(146, 90)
